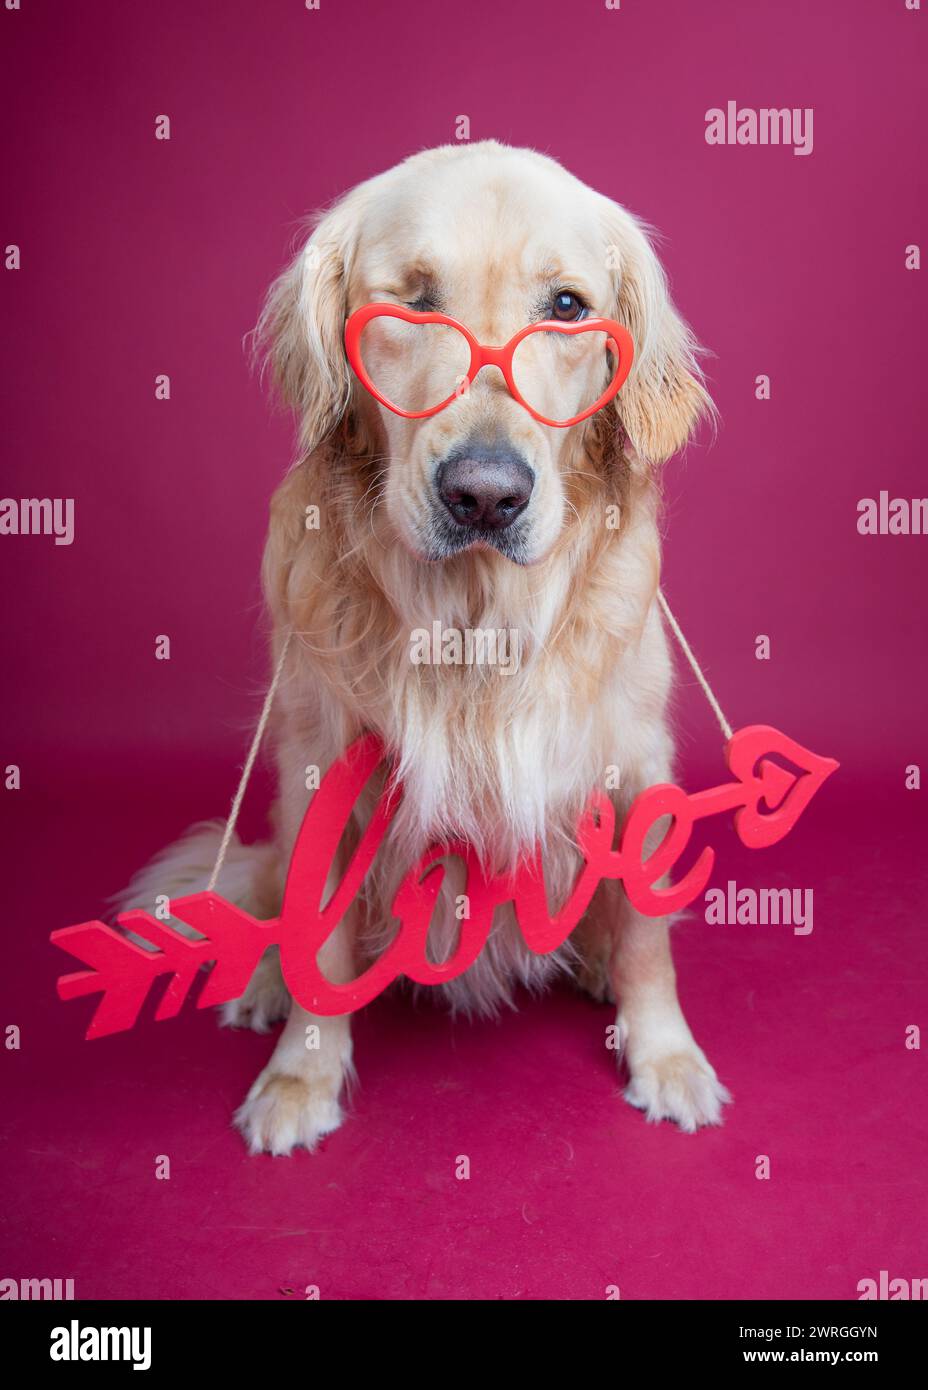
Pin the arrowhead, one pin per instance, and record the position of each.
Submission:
(786, 794)
(775, 782)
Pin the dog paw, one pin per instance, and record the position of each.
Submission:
(281, 1113)
(679, 1085)
(265, 1002)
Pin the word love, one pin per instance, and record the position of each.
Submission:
(232, 941)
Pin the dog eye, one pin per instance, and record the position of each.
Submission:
(567, 307)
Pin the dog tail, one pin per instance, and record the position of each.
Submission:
(250, 877)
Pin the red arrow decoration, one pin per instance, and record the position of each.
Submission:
(232, 941)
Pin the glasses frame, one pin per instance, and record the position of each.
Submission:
(482, 355)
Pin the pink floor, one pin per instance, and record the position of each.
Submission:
(570, 1191)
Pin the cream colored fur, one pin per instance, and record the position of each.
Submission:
(503, 761)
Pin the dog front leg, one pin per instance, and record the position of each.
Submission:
(670, 1077)
(296, 1099)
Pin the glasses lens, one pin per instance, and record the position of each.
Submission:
(561, 375)
(414, 366)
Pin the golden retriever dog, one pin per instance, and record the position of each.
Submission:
(479, 518)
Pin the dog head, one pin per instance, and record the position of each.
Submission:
(497, 238)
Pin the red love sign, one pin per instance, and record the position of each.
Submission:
(233, 941)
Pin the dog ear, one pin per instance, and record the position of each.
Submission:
(664, 396)
(301, 329)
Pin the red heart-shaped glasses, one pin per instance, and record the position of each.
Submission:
(426, 355)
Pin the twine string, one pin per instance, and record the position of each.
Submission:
(694, 665)
(261, 727)
(249, 764)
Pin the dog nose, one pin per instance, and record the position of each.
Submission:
(486, 487)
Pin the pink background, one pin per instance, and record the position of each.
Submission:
(142, 257)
